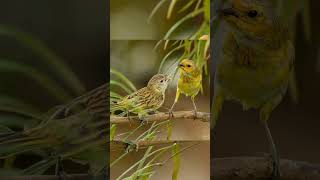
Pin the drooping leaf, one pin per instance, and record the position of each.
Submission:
(176, 161)
(50, 85)
(171, 7)
(181, 21)
(49, 58)
(124, 79)
(113, 131)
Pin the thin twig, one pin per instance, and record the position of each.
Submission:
(202, 116)
(115, 144)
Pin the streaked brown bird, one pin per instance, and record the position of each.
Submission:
(147, 99)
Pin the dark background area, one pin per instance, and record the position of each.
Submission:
(295, 128)
(75, 30)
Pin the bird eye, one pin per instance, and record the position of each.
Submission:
(188, 65)
(161, 81)
(252, 13)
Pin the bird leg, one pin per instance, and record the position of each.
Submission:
(274, 153)
(142, 117)
(170, 111)
(195, 108)
(175, 101)
(264, 116)
(128, 117)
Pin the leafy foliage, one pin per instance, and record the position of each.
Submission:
(16, 114)
(195, 10)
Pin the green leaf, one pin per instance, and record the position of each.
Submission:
(187, 6)
(142, 162)
(176, 161)
(48, 57)
(8, 101)
(15, 121)
(5, 130)
(171, 7)
(124, 79)
(113, 131)
(121, 85)
(182, 20)
(115, 95)
(169, 130)
(155, 9)
(207, 10)
(51, 86)
(167, 56)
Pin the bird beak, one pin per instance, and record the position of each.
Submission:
(181, 66)
(168, 78)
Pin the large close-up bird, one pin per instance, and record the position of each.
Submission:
(253, 59)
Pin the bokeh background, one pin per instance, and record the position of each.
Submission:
(295, 127)
(74, 31)
(129, 20)
(139, 61)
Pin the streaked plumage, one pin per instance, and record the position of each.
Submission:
(147, 99)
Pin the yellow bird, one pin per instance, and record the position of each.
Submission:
(189, 84)
(147, 99)
(254, 60)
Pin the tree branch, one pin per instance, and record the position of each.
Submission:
(145, 144)
(202, 116)
(255, 168)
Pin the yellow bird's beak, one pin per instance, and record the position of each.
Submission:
(181, 66)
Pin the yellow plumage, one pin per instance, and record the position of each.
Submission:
(254, 60)
(189, 83)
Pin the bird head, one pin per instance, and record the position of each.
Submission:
(187, 66)
(254, 18)
(159, 82)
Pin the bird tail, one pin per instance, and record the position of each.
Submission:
(16, 143)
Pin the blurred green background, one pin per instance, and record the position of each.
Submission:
(74, 30)
(129, 19)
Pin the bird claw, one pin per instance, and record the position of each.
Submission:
(170, 114)
(143, 120)
(129, 146)
(275, 170)
(275, 173)
(195, 115)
